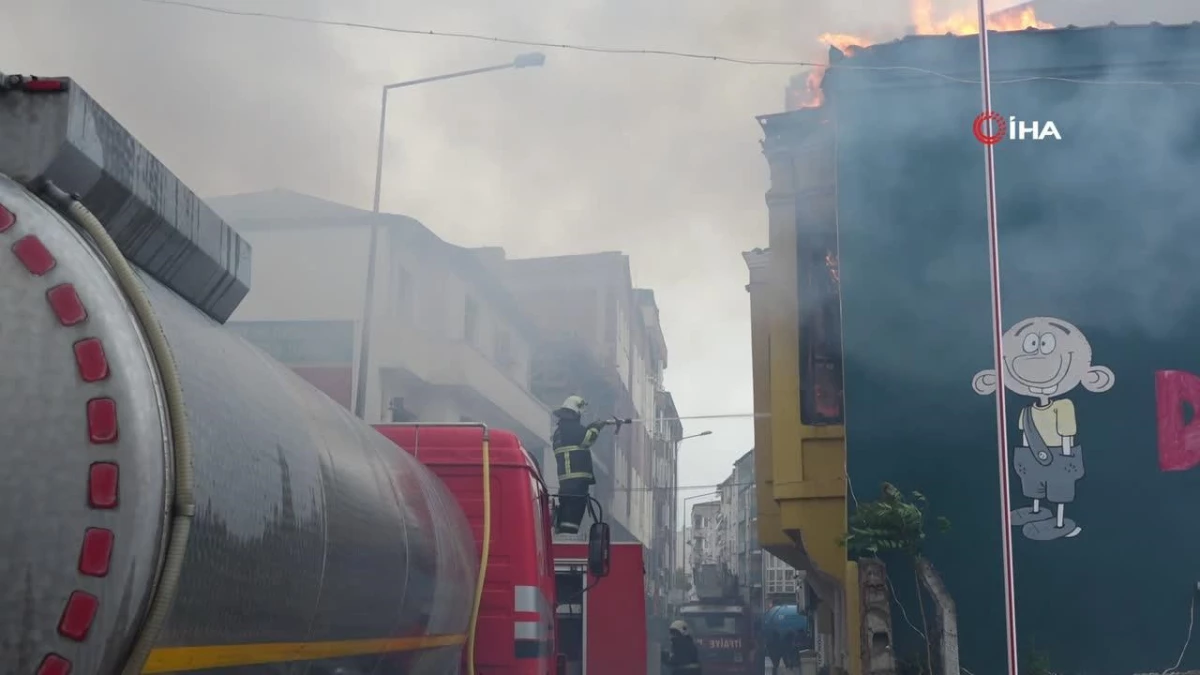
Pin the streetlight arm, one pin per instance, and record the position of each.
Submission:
(530, 60)
(448, 76)
(364, 351)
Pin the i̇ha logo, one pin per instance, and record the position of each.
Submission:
(991, 127)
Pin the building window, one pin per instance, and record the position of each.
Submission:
(820, 322)
(504, 355)
(400, 413)
(471, 321)
(401, 290)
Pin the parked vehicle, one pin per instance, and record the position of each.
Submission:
(177, 501)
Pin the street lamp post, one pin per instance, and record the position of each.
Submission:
(531, 60)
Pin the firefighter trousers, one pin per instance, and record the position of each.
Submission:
(573, 496)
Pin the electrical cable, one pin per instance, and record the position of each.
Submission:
(645, 51)
(1187, 641)
(985, 83)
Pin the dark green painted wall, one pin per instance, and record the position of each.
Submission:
(1101, 229)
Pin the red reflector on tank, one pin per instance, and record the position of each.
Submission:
(66, 304)
(7, 220)
(34, 255)
(96, 552)
(89, 356)
(78, 615)
(54, 664)
(103, 485)
(44, 85)
(102, 420)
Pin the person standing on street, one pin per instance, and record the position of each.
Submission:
(683, 657)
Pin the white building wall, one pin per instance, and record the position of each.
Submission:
(595, 293)
(319, 273)
(703, 533)
(623, 338)
(302, 274)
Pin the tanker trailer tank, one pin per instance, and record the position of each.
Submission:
(316, 546)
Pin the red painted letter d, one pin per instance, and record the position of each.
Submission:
(1178, 441)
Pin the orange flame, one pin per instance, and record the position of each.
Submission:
(1019, 17)
(1014, 18)
(813, 97)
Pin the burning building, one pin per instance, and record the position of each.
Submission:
(878, 271)
(804, 89)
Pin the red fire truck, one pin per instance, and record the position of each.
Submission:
(721, 622)
(580, 602)
(175, 501)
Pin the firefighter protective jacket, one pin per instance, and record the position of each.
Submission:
(572, 449)
(683, 656)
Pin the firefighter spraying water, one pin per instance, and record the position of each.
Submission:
(375, 549)
(573, 459)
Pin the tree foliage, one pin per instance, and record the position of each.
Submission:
(891, 523)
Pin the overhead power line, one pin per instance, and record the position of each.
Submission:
(635, 51)
(713, 487)
(479, 37)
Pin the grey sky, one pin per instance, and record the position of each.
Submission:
(657, 157)
(654, 156)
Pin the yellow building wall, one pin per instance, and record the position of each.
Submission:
(801, 470)
(770, 528)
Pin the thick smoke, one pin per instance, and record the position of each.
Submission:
(1093, 228)
(657, 157)
(654, 156)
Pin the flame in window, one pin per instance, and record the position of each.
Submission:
(831, 264)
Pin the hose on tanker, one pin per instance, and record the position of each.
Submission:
(182, 496)
(485, 549)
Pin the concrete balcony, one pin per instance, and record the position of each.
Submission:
(417, 360)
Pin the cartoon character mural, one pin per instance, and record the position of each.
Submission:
(1045, 359)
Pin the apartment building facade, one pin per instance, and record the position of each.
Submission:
(664, 492)
(763, 579)
(599, 337)
(448, 343)
(703, 546)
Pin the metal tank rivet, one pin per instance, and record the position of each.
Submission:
(7, 219)
(54, 664)
(90, 358)
(78, 615)
(34, 255)
(103, 482)
(102, 420)
(96, 552)
(67, 306)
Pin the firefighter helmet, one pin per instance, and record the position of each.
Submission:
(575, 404)
(680, 626)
